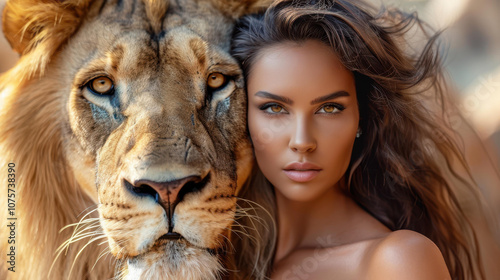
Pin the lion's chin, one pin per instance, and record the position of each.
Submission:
(174, 260)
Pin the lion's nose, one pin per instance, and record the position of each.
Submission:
(167, 192)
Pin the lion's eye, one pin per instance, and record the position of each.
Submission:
(102, 85)
(216, 80)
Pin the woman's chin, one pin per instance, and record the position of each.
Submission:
(300, 192)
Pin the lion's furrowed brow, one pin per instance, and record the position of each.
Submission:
(155, 12)
(199, 48)
(108, 64)
(115, 56)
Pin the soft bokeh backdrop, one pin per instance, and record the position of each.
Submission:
(471, 42)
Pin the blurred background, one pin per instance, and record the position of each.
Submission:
(471, 41)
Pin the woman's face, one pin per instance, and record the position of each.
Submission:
(303, 117)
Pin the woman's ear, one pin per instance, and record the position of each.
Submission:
(238, 8)
(30, 24)
(359, 132)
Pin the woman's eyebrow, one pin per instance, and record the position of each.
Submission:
(329, 97)
(269, 95)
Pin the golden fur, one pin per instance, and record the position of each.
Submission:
(73, 149)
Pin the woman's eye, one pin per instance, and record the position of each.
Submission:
(216, 81)
(101, 86)
(331, 109)
(273, 108)
(276, 108)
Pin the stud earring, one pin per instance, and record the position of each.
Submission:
(358, 134)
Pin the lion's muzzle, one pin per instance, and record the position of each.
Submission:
(168, 194)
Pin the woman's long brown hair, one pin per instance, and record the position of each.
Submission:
(399, 166)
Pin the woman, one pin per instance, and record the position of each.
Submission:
(349, 158)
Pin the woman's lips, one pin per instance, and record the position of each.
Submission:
(301, 176)
(301, 171)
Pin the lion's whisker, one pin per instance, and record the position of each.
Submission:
(86, 221)
(96, 208)
(236, 223)
(71, 240)
(233, 249)
(83, 220)
(81, 250)
(86, 224)
(77, 237)
(257, 204)
(252, 217)
(103, 253)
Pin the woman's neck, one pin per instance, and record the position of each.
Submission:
(324, 222)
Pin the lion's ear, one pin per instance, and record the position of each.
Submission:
(30, 24)
(238, 8)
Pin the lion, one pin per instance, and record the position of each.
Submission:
(124, 120)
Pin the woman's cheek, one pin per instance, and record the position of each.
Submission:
(264, 130)
(263, 140)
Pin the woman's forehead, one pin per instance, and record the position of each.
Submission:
(309, 67)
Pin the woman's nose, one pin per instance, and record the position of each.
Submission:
(302, 139)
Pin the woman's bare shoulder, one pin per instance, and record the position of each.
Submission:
(405, 254)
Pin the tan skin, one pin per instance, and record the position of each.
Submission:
(303, 119)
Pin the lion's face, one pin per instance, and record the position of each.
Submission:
(155, 113)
